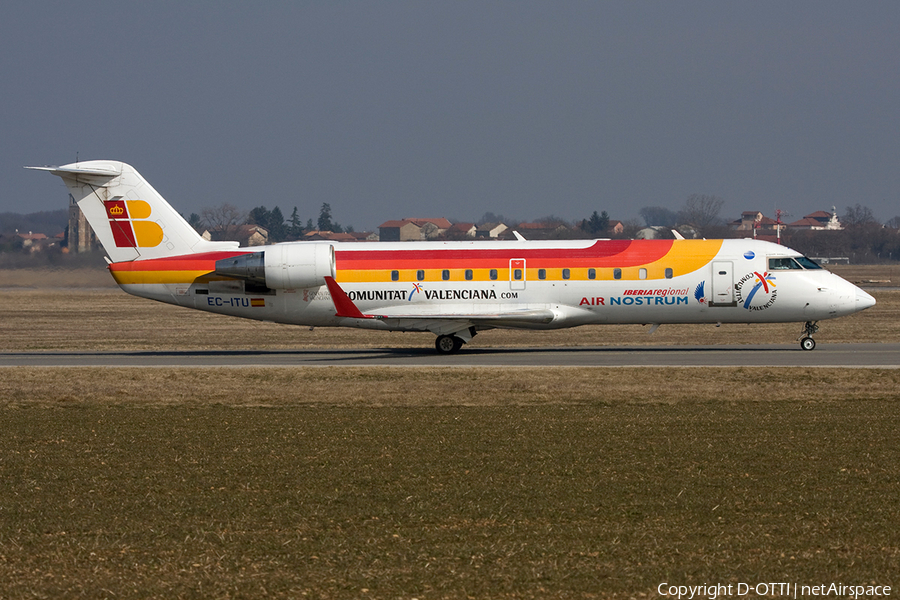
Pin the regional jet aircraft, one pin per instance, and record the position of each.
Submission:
(452, 289)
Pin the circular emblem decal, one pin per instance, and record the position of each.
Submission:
(756, 291)
(749, 254)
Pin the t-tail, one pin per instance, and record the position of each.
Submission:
(130, 219)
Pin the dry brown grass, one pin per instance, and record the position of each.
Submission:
(427, 386)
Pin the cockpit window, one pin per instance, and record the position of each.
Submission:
(792, 263)
(783, 264)
(808, 263)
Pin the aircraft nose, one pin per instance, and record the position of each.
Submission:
(863, 300)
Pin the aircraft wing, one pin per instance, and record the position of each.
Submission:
(439, 323)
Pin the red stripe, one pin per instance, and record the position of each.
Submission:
(187, 262)
(611, 253)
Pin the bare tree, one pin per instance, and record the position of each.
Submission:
(858, 216)
(223, 220)
(701, 212)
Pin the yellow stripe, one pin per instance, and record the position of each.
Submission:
(135, 277)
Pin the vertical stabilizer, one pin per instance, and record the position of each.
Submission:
(129, 217)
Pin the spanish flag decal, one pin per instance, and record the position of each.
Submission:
(258, 302)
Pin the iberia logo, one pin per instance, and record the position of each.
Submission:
(761, 294)
(130, 224)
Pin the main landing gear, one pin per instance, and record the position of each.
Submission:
(447, 344)
(806, 341)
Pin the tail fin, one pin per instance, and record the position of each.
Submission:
(129, 217)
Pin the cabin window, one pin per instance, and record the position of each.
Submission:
(517, 274)
(669, 273)
(395, 275)
(493, 274)
(542, 273)
(783, 264)
(642, 273)
(420, 275)
(566, 273)
(592, 273)
(617, 273)
(445, 274)
(468, 274)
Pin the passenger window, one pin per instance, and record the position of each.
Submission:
(542, 273)
(566, 273)
(468, 274)
(420, 275)
(493, 274)
(669, 273)
(642, 273)
(395, 275)
(592, 273)
(445, 274)
(517, 274)
(617, 273)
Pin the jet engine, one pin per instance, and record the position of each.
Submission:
(282, 266)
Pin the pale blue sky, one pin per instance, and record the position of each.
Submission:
(397, 109)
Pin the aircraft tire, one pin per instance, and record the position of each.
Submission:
(808, 343)
(447, 344)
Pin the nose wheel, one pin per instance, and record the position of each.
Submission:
(447, 344)
(806, 340)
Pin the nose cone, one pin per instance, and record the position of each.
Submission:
(863, 300)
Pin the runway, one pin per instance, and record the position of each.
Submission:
(774, 355)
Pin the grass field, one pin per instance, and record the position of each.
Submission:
(433, 483)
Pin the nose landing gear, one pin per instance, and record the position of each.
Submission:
(806, 340)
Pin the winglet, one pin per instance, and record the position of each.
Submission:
(342, 302)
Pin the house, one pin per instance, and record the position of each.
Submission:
(412, 229)
(329, 235)
(615, 227)
(33, 242)
(459, 231)
(247, 235)
(490, 230)
(818, 221)
(543, 230)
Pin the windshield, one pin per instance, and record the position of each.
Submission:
(808, 263)
(788, 263)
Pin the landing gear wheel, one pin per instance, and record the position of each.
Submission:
(806, 341)
(447, 344)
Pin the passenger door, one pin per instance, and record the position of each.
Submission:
(723, 284)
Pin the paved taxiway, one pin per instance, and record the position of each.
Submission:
(780, 355)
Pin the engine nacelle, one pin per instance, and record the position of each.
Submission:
(283, 266)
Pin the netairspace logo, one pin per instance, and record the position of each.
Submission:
(776, 590)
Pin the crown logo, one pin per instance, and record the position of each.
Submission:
(116, 210)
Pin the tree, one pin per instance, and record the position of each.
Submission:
(325, 223)
(858, 216)
(223, 219)
(893, 222)
(196, 222)
(597, 224)
(270, 220)
(701, 212)
(658, 216)
(277, 230)
(295, 229)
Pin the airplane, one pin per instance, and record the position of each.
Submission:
(452, 289)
